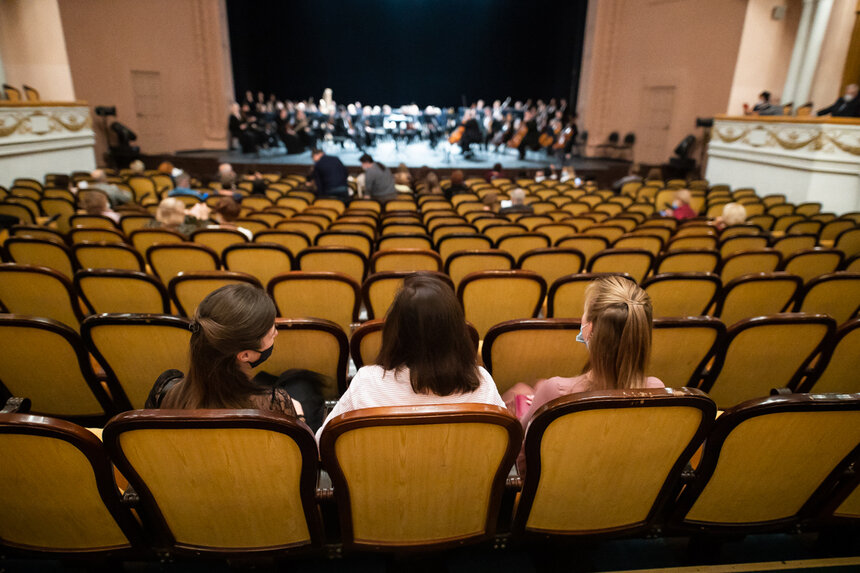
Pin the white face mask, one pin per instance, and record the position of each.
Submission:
(847, 97)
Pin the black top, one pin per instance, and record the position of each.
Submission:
(275, 399)
(843, 108)
(329, 173)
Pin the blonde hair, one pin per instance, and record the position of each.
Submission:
(620, 343)
(170, 212)
(734, 214)
(684, 196)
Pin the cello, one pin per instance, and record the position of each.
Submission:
(518, 137)
(457, 134)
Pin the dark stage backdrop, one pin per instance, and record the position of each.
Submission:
(428, 52)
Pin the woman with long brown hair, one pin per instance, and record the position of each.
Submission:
(427, 355)
(232, 332)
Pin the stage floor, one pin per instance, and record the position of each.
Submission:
(414, 155)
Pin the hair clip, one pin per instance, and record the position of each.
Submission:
(194, 326)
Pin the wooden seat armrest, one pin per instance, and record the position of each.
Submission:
(781, 392)
(16, 405)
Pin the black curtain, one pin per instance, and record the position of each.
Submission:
(428, 52)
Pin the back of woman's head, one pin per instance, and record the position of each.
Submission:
(425, 330)
(229, 320)
(620, 343)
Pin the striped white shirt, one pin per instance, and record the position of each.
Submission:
(374, 387)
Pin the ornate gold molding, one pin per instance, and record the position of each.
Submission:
(846, 147)
(730, 137)
(791, 141)
(21, 122)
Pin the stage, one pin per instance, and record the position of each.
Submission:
(415, 155)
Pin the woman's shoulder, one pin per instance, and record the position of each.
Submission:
(654, 382)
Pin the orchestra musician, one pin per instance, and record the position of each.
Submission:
(471, 133)
(529, 134)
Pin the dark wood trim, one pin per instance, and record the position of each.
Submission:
(261, 236)
(121, 274)
(740, 254)
(77, 216)
(551, 251)
(13, 232)
(723, 428)
(774, 319)
(216, 419)
(580, 277)
(204, 276)
(93, 450)
(631, 235)
(600, 400)
(479, 236)
(156, 230)
(218, 231)
(113, 232)
(759, 277)
(103, 245)
(609, 252)
(386, 275)
(522, 324)
(482, 252)
(383, 237)
(78, 346)
(501, 275)
(704, 252)
(317, 275)
(65, 282)
(578, 236)
(335, 233)
(412, 416)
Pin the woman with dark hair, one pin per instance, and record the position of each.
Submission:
(233, 332)
(427, 355)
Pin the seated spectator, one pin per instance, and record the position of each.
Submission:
(846, 106)
(518, 203)
(97, 204)
(457, 186)
(616, 329)
(116, 195)
(232, 332)
(654, 174)
(226, 211)
(631, 177)
(567, 174)
(329, 176)
(378, 181)
(401, 182)
(137, 166)
(680, 207)
(259, 184)
(733, 214)
(540, 175)
(227, 177)
(763, 106)
(494, 173)
(183, 188)
(432, 181)
(171, 215)
(427, 355)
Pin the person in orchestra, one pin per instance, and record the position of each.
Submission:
(530, 141)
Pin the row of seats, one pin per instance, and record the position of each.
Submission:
(401, 479)
(804, 352)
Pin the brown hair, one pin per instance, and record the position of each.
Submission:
(425, 331)
(227, 208)
(457, 177)
(95, 203)
(230, 319)
(620, 343)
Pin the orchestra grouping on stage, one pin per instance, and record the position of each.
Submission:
(265, 123)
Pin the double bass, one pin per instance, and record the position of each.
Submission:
(518, 137)
(565, 136)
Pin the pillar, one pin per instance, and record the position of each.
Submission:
(813, 50)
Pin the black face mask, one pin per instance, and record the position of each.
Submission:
(264, 355)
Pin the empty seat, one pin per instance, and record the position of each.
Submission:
(41, 253)
(346, 260)
(635, 262)
(757, 295)
(40, 291)
(262, 501)
(121, 291)
(47, 362)
(688, 261)
(327, 295)
(763, 353)
(386, 466)
(135, 349)
(108, 256)
(218, 239)
(491, 297)
(170, 259)
(836, 371)
(188, 289)
(461, 263)
(748, 262)
(264, 261)
(57, 491)
(682, 294)
(405, 260)
(767, 462)
(811, 263)
(528, 350)
(624, 464)
(355, 240)
(836, 294)
(681, 348)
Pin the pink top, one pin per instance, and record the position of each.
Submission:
(374, 386)
(683, 211)
(556, 387)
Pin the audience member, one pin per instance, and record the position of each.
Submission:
(846, 106)
(457, 185)
(763, 106)
(680, 207)
(183, 188)
(616, 330)
(137, 166)
(116, 195)
(654, 174)
(171, 215)
(227, 177)
(494, 173)
(432, 181)
(329, 176)
(427, 355)
(225, 213)
(97, 204)
(232, 332)
(518, 203)
(631, 177)
(378, 181)
(733, 214)
(401, 182)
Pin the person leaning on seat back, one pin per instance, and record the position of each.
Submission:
(232, 332)
(427, 356)
(616, 329)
